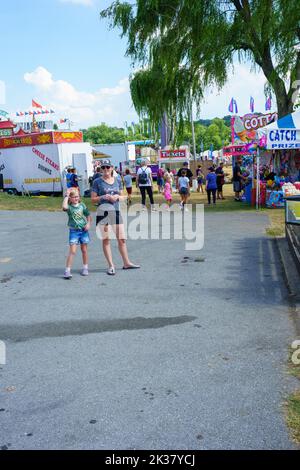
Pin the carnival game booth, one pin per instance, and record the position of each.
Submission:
(282, 140)
(37, 162)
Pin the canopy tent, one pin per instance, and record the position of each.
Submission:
(282, 134)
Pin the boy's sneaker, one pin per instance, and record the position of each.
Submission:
(67, 274)
(84, 272)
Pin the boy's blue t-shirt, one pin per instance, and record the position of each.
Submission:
(69, 180)
(211, 179)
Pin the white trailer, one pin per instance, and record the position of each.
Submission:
(116, 153)
(27, 164)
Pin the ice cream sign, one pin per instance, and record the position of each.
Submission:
(243, 129)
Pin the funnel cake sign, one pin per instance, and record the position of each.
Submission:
(243, 129)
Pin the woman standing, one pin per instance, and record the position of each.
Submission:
(211, 185)
(107, 192)
(220, 181)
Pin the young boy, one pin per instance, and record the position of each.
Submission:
(79, 223)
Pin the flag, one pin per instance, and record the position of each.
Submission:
(235, 106)
(51, 111)
(61, 121)
(230, 107)
(35, 104)
(132, 127)
(268, 104)
(125, 129)
(251, 104)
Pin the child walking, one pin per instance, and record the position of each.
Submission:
(79, 223)
(168, 191)
(184, 189)
(128, 184)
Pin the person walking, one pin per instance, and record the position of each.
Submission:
(168, 191)
(220, 180)
(107, 193)
(188, 174)
(145, 183)
(237, 179)
(211, 185)
(184, 189)
(200, 179)
(128, 184)
(160, 180)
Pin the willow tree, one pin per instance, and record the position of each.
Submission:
(182, 46)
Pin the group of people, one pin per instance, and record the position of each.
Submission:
(107, 192)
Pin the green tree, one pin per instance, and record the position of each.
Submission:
(103, 134)
(185, 45)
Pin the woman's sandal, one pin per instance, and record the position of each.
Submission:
(111, 271)
(132, 266)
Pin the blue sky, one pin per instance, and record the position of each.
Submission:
(61, 54)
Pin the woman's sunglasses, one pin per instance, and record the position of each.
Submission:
(105, 167)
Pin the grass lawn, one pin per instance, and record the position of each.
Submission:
(50, 203)
(293, 415)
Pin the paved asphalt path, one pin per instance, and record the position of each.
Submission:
(176, 355)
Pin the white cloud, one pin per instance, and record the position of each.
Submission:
(86, 3)
(110, 105)
(242, 83)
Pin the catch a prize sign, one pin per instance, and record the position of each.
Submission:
(283, 139)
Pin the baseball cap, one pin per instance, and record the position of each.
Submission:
(105, 163)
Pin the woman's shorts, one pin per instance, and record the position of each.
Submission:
(109, 218)
(183, 191)
(129, 190)
(200, 180)
(160, 181)
(78, 237)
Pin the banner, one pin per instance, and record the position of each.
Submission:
(174, 154)
(283, 139)
(41, 139)
(243, 128)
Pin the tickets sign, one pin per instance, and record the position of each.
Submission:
(174, 154)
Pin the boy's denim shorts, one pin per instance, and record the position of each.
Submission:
(77, 237)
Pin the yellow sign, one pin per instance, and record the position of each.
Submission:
(8, 181)
(41, 180)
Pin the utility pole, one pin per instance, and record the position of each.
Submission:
(193, 130)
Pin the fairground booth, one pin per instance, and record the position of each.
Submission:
(282, 141)
(244, 145)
